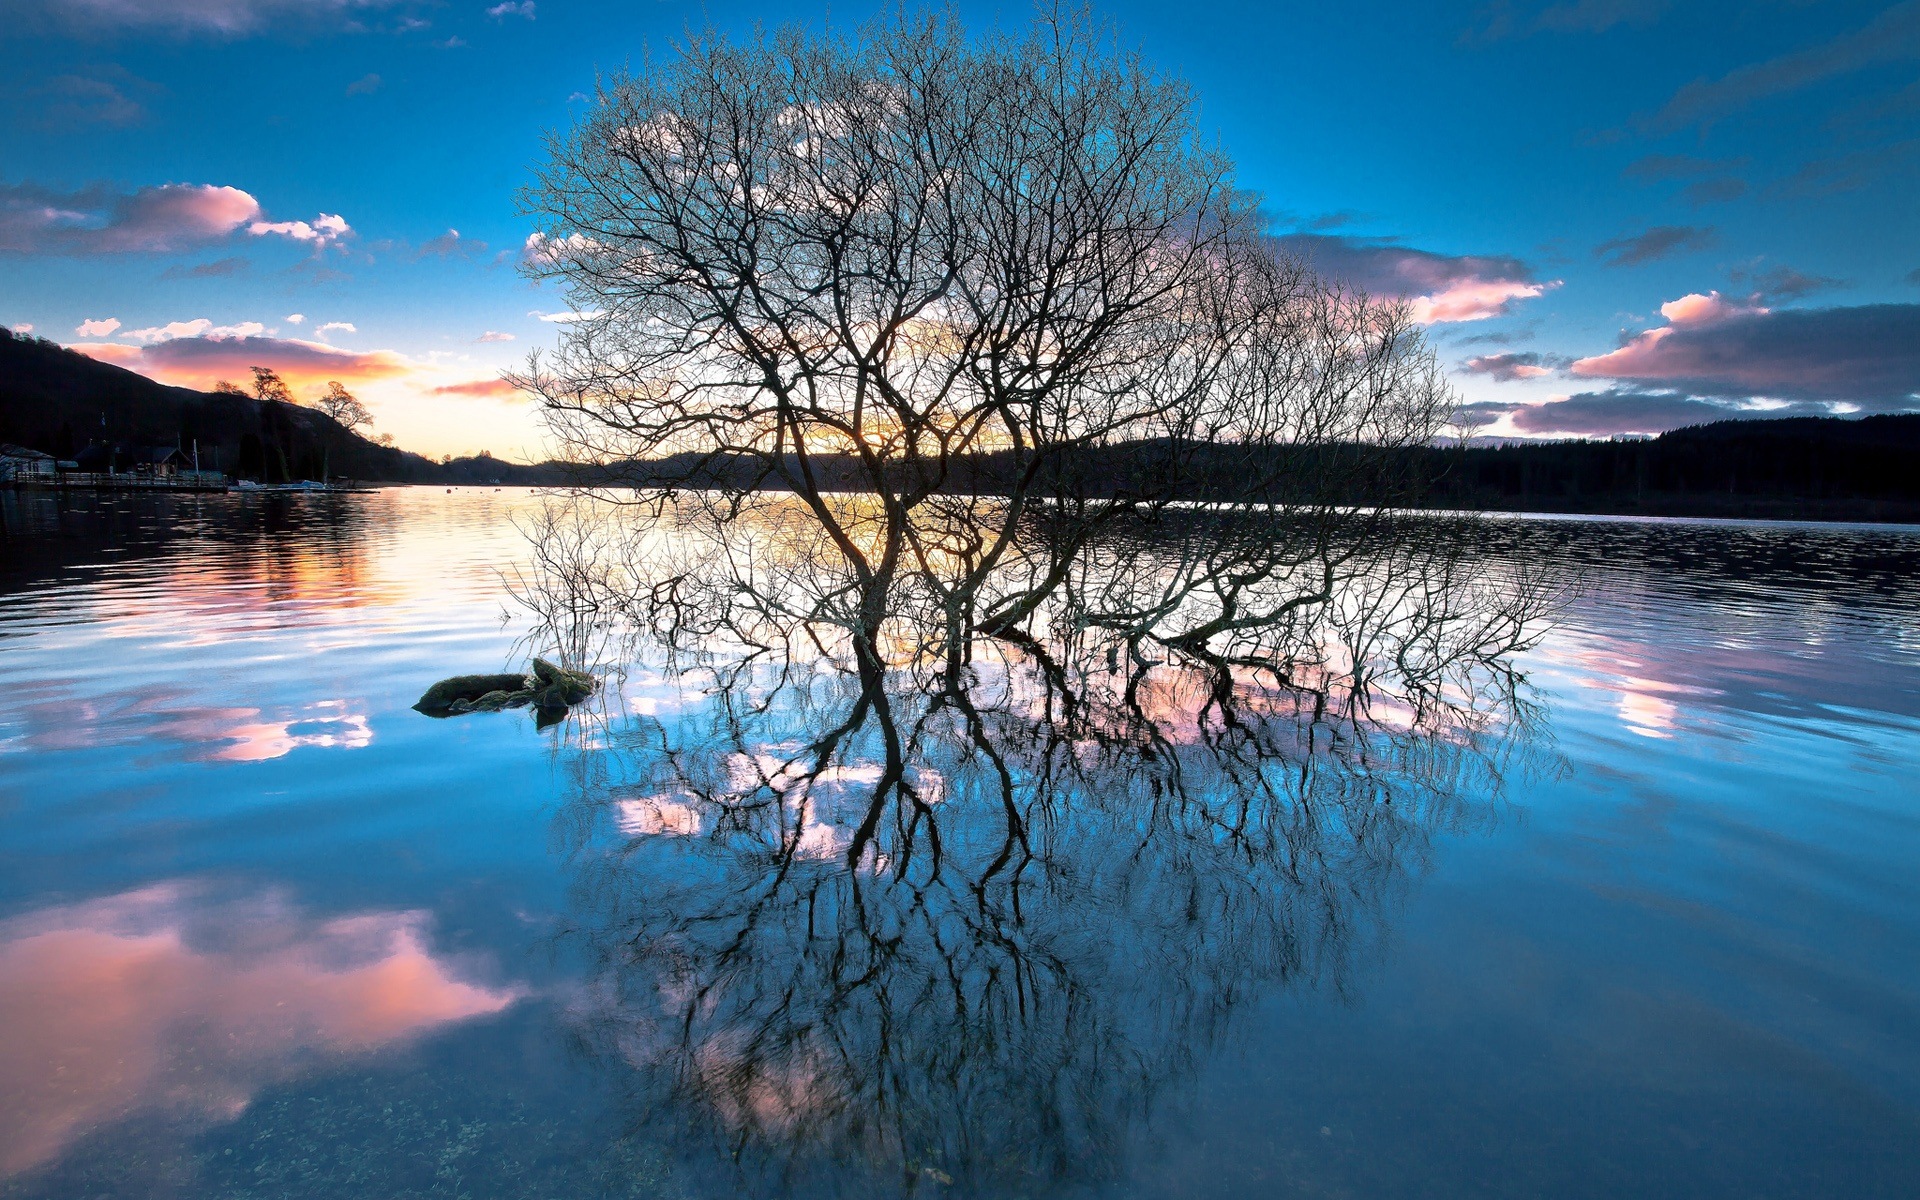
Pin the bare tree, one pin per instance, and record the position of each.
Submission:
(341, 405)
(267, 385)
(1002, 289)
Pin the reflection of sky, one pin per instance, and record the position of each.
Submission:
(1705, 621)
(149, 998)
(158, 720)
(1734, 839)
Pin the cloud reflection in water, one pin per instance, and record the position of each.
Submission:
(169, 996)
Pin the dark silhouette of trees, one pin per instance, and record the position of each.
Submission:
(267, 385)
(342, 406)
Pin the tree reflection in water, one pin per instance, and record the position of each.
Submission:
(917, 912)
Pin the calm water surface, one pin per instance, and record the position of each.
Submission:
(265, 931)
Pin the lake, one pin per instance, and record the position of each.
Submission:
(267, 931)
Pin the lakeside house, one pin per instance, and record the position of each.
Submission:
(108, 466)
(19, 464)
(126, 458)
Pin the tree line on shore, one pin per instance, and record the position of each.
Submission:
(57, 400)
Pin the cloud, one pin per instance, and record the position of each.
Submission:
(494, 335)
(294, 318)
(1664, 168)
(1509, 366)
(508, 8)
(198, 327)
(323, 231)
(216, 269)
(366, 85)
(111, 96)
(1852, 170)
(1867, 355)
(23, 327)
(451, 243)
(1782, 283)
(97, 328)
(1440, 287)
(199, 360)
(1504, 337)
(330, 326)
(149, 220)
(1300, 222)
(1711, 181)
(219, 18)
(1604, 414)
(174, 216)
(1504, 19)
(567, 318)
(1713, 191)
(1893, 36)
(1656, 243)
(479, 387)
(542, 250)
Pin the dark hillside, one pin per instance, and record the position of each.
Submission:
(59, 401)
(1814, 467)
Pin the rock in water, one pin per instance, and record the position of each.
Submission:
(443, 697)
(557, 687)
(551, 690)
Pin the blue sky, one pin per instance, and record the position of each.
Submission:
(1616, 215)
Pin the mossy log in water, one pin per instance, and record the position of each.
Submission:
(547, 688)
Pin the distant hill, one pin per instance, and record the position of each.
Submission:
(1832, 468)
(59, 401)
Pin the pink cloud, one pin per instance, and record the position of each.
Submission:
(1695, 309)
(1440, 287)
(107, 1003)
(200, 360)
(1867, 355)
(149, 220)
(97, 328)
(173, 216)
(478, 387)
(1474, 300)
